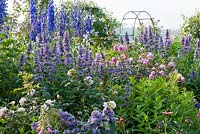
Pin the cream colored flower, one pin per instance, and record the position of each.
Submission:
(21, 109)
(22, 101)
(110, 104)
(71, 72)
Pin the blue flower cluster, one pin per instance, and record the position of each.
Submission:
(51, 16)
(33, 19)
(3, 13)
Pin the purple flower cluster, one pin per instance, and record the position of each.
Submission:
(186, 45)
(153, 41)
(108, 114)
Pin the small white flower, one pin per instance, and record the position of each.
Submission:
(49, 102)
(58, 96)
(71, 72)
(22, 101)
(21, 109)
(110, 104)
(89, 80)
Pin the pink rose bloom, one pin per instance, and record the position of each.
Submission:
(162, 73)
(41, 132)
(162, 67)
(170, 65)
(198, 115)
(150, 56)
(145, 61)
(50, 130)
(114, 60)
(123, 56)
(116, 47)
(181, 79)
(125, 47)
(121, 48)
(153, 72)
(151, 76)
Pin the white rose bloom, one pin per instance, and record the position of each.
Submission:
(22, 101)
(3, 111)
(21, 109)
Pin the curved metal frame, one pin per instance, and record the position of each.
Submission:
(137, 14)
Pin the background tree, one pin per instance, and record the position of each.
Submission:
(191, 26)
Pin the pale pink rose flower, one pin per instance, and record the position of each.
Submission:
(162, 73)
(150, 56)
(123, 56)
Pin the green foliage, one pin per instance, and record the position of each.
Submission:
(9, 53)
(150, 98)
(192, 25)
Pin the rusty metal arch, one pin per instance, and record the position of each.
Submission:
(135, 18)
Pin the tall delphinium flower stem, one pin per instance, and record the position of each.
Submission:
(43, 26)
(33, 19)
(51, 19)
(3, 13)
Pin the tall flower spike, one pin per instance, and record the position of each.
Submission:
(50, 16)
(33, 20)
(63, 22)
(3, 13)
(127, 38)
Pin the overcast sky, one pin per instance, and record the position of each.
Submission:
(169, 12)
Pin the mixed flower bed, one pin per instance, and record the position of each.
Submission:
(60, 82)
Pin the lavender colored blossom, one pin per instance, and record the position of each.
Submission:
(108, 114)
(67, 119)
(34, 125)
(96, 117)
(66, 41)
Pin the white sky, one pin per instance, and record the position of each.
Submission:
(167, 11)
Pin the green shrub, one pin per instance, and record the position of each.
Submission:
(150, 98)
